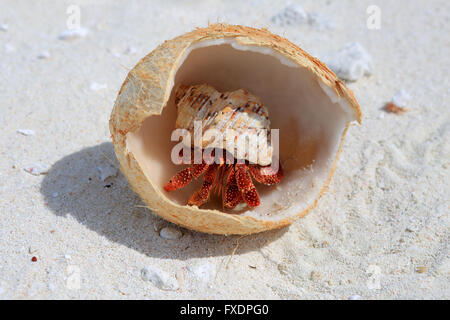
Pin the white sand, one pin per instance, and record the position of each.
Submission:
(380, 232)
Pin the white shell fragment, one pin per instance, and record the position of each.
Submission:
(37, 169)
(202, 273)
(26, 132)
(97, 86)
(351, 62)
(320, 21)
(159, 278)
(73, 33)
(44, 55)
(293, 14)
(401, 98)
(106, 171)
(170, 233)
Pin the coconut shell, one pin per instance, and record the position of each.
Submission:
(147, 89)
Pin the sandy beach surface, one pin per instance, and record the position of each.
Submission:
(381, 231)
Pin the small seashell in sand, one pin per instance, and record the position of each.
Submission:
(320, 21)
(97, 86)
(202, 273)
(401, 98)
(159, 278)
(351, 62)
(26, 132)
(293, 14)
(73, 33)
(37, 169)
(44, 55)
(170, 233)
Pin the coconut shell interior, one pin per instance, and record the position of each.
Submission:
(310, 118)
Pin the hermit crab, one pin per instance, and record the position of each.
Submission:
(242, 113)
(308, 103)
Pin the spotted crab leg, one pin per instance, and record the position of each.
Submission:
(231, 195)
(183, 177)
(266, 174)
(246, 186)
(202, 194)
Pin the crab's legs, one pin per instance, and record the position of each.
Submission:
(246, 186)
(231, 195)
(266, 174)
(183, 177)
(202, 194)
(238, 185)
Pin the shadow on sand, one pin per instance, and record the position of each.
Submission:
(113, 210)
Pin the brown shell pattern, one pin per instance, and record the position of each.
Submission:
(238, 110)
